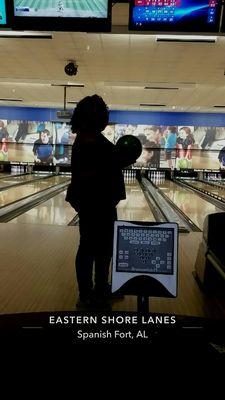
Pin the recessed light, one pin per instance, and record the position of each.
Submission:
(15, 100)
(152, 105)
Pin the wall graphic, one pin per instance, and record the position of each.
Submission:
(35, 141)
(181, 146)
(198, 147)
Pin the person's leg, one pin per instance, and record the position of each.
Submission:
(104, 249)
(84, 258)
(102, 264)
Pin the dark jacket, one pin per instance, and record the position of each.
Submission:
(97, 180)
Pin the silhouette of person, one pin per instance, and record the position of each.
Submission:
(97, 185)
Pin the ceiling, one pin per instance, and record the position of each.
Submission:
(116, 66)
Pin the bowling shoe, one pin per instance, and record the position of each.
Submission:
(108, 295)
(115, 295)
(83, 304)
(93, 303)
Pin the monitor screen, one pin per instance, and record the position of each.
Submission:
(3, 14)
(145, 249)
(62, 15)
(175, 15)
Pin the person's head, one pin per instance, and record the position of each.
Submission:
(172, 129)
(2, 125)
(142, 138)
(153, 133)
(148, 152)
(91, 115)
(45, 136)
(130, 129)
(185, 131)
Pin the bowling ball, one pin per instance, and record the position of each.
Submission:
(182, 163)
(128, 148)
(2, 156)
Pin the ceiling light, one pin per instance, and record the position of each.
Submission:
(152, 105)
(150, 85)
(170, 85)
(68, 85)
(160, 88)
(5, 99)
(2, 82)
(126, 84)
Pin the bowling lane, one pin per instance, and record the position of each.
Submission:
(17, 193)
(195, 207)
(218, 191)
(12, 180)
(55, 211)
(135, 206)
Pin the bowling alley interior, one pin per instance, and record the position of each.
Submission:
(163, 84)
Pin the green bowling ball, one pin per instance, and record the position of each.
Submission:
(183, 163)
(129, 148)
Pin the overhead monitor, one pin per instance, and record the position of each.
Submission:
(62, 15)
(145, 249)
(4, 14)
(175, 15)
